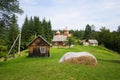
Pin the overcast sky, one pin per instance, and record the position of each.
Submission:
(75, 14)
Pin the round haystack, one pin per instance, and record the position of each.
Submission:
(79, 58)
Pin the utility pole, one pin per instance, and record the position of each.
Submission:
(18, 38)
(13, 44)
(19, 43)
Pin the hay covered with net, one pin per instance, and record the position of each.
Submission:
(79, 58)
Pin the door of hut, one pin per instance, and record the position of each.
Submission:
(36, 52)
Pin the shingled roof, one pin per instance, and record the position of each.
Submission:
(39, 36)
(59, 38)
(93, 41)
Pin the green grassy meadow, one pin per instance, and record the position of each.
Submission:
(24, 68)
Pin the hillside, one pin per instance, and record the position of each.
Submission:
(24, 68)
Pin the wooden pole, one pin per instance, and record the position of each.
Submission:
(13, 44)
(19, 43)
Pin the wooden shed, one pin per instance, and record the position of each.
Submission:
(39, 47)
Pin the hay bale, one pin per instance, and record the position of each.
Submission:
(79, 58)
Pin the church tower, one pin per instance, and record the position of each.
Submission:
(58, 33)
(66, 32)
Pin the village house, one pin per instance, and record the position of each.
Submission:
(91, 42)
(61, 39)
(39, 47)
(85, 43)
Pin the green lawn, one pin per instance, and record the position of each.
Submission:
(24, 68)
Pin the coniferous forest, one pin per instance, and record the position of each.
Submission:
(33, 26)
(105, 37)
(70, 54)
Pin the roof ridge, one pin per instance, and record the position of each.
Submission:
(41, 38)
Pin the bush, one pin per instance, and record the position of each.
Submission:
(3, 54)
(3, 51)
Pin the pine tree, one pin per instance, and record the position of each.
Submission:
(44, 27)
(7, 9)
(24, 33)
(31, 27)
(104, 36)
(36, 25)
(40, 32)
(13, 33)
(49, 35)
(87, 33)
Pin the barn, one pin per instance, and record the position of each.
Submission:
(39, 47)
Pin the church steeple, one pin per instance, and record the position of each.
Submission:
(66, 31)
(58, 33)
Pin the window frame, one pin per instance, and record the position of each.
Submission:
(43, 50)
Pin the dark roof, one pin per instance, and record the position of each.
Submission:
(39, 36)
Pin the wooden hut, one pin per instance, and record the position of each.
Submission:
(39, 47)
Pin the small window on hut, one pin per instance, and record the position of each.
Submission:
(43, 49)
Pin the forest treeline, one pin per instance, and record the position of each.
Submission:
(34, 26)
(9, 30)
(8, 25)
(31, 28)
(105, 37)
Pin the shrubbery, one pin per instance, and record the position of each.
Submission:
(3, 51)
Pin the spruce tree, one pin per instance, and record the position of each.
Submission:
(44, 24)
(87, 33)
(36, 26)
(7, 9)
(104, 36)
(24, 33)
(40, 32)
(31, 27)
(50, 31)
(13, 33)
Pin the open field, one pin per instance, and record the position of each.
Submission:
(24, 68)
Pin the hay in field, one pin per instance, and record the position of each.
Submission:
(79, 58)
